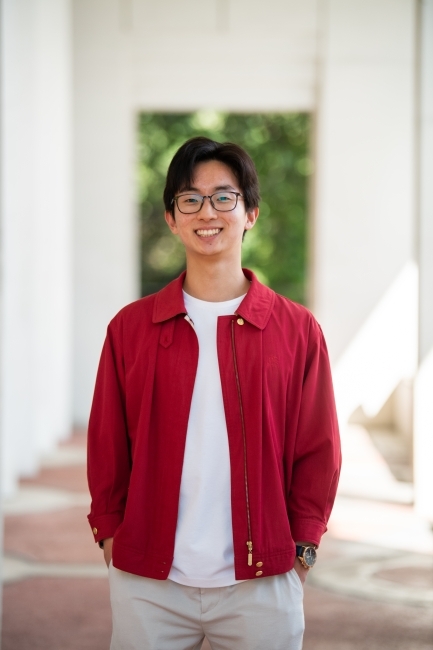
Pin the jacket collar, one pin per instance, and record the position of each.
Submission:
(255, 308)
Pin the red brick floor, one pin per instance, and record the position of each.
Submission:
(74, 613)
(62, 536)
(56, 614)
(335, 622)
(66, 478)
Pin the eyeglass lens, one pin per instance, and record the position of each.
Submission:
(221, 201)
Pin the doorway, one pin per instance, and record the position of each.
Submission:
(276, 249)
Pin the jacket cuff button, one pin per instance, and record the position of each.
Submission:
(259, 573)
(259, 564)
(95, 531)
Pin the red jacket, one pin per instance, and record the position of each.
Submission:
(281, 423)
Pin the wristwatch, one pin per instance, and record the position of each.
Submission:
(307, 556)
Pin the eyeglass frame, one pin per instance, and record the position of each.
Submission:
(207, 196)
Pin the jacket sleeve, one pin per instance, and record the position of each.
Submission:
(313, 479)
(108, 452)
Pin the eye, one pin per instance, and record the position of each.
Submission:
(224, 198)
(189, 200)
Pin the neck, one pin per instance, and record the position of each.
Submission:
(215, 281)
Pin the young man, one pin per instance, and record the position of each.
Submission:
(213, 440)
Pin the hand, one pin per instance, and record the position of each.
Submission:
(300, 570)
(108, 549)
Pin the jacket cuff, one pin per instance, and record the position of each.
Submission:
(307, 530)
(104, 526)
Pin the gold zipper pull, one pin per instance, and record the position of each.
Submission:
(250, 553)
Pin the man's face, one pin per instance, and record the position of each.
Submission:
(210, 232)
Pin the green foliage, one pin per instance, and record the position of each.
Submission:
(278, 143)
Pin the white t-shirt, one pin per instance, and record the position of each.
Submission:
(203, 554)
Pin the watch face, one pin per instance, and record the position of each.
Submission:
(310, 556)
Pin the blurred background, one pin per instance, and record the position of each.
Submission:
(334, 101)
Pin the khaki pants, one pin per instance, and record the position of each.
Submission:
(265, 614)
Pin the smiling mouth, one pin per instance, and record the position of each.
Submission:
(208, 232)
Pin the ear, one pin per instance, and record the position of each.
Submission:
(171, 222)
(251, 218)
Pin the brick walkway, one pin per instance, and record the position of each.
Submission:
(364, 595)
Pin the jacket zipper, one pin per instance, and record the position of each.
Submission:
(244, 438)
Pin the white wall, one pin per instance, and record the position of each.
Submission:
(365, 282)
(36, 232)
(106, 275)
(424, 382)
(234, 55)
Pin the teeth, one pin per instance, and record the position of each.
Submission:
(208, 233)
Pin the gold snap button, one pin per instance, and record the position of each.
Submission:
(95, 531)
(259, 573)
(240, 321)
(259, 564)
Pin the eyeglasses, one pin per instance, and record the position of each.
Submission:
(220, 201)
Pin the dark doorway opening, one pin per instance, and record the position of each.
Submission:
(276, 249)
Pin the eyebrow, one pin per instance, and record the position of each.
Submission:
(218, 188)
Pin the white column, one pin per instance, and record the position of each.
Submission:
(364, 277)
(36, 232)
(52, 244)
(106, 241)
(423, 425)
